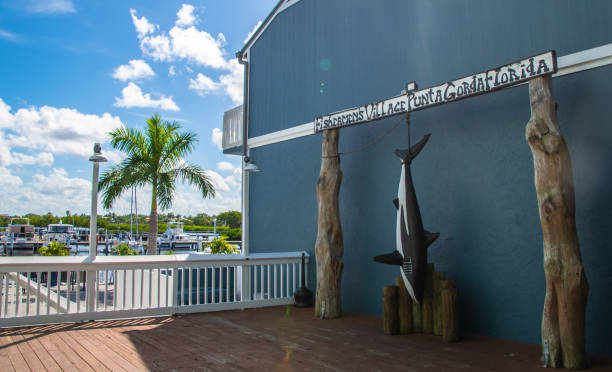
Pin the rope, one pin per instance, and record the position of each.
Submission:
(376, 140)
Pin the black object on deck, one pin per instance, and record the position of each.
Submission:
(303, 297)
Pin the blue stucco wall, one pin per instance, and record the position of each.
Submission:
(474, 179)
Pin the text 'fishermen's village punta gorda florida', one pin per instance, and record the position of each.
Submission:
(413, 100)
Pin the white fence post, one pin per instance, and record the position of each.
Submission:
(90, 292)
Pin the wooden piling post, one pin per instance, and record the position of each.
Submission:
(450, 313)
(437, 303)
(329, 246)
(390, 310)
(404, 307)
(417, 318)
(567, 288)
(427, 308)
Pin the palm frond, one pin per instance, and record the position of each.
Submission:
(120, 178)
(195, 176)
(165, 190)
(179, 145)
(128, 140)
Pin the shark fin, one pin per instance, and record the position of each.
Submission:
(396, 203)
(394, 258)
(414, 150)
(431, 237)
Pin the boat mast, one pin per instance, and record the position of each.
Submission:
(131, 209)
(136, 209)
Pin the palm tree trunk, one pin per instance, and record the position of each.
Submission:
(152, 241)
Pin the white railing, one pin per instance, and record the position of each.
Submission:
(39, 290)
(232, 128)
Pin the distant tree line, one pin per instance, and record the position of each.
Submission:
(228, 223)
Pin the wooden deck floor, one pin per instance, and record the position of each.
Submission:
(269, 339)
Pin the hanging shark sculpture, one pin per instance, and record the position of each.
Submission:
(411, 239)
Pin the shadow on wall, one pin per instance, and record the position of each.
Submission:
(580, 111)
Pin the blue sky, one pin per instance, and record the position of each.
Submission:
(72, 70)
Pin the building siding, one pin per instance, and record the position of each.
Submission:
(474, 179)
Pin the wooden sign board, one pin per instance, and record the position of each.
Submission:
(484, 82)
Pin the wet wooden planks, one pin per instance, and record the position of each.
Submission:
(268, 339)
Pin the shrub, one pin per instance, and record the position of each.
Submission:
(220, 246)
(124, 250)
(169, 252)
(54, 249)
(234, 234)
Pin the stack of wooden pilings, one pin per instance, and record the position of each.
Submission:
(437, 314)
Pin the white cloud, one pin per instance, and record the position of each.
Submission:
(229, 84)
(6, 118)
(8, 180)
(41, 134)
(47, 131)
(132, 96)
(225, 166)
(181, 43)
(8, 35)
(51, 6)
(218, 181)
(217, 138)
(203, 84)
(114, 156)
(136, 69)
(232, 83)
(235, 179)
(54, 191)
(197, 46)
(57, 182)
(171, 71)
(44, 159)
(57, 191)
(185, 42)
(252, 32)
(52, 131)
(142, 25)
(189, 201)
(157, 47)
(185, 16)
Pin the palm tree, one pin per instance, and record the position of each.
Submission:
(154, 157)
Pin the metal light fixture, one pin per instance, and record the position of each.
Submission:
(249, 165)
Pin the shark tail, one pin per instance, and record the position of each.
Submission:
(409, 154)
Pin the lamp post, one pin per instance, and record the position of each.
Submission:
(96, 158)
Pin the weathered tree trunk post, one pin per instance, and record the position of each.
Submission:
(390, 310)
(437, 303)
(417, 317)
(450, 311)
(563, 318)
(427, 308)
(404, 307)
(329, 247)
